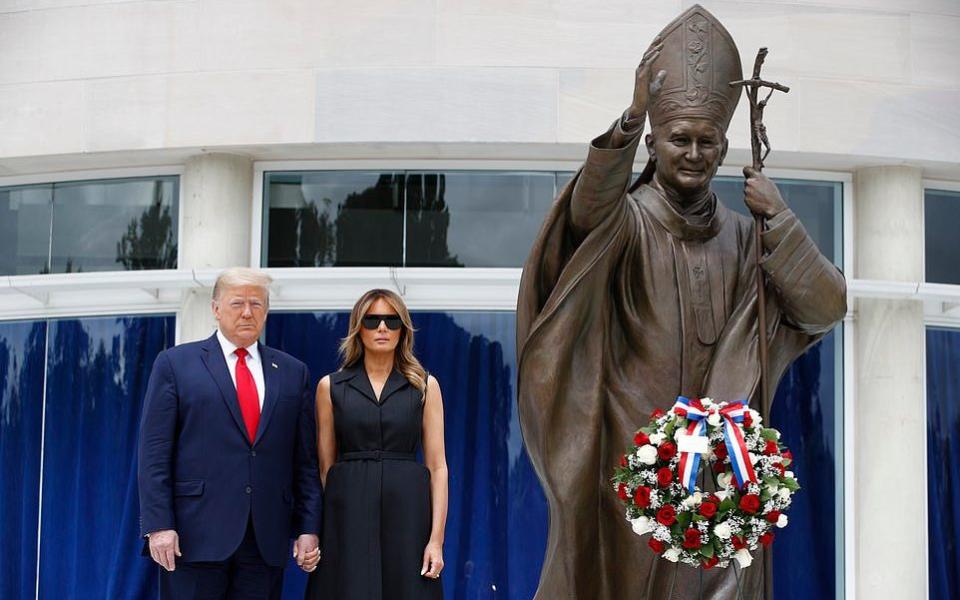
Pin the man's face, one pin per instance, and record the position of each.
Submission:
(241, 312)
(688, 152)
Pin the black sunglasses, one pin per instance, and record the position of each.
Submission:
(373, 321)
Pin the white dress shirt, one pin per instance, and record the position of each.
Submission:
(253, 363)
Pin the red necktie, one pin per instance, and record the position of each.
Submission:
(247, 394)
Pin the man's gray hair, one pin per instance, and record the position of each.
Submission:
(240, 276)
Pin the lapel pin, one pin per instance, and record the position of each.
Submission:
(274, 365)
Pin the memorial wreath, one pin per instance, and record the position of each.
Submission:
(657, 481)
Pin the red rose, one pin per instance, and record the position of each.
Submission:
(719, 467)
(781, 468)
(720, 451)
(656, 414)
(738, 542)
(708, 509)
(766, 539)
(714, 498)
(667, 450)
(788, 456)
(691, 539)
(667, 515)
(710, 563)
(664, 476)
(622, 491)
(771, 448)
(656, 545)
(747, 419)
(623, 460)
(773, 515)
(680, 412)
(641, 438)
(750, 503)
(641, 497)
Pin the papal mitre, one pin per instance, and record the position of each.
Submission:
(701, 60)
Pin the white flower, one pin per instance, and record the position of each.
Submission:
(706, 402)
(656, 439)
(722, 494)
(724, 479)
(723, 531)
(789, 475)
(679, 434)
(782, 521)
(714, 419)
(776, 434)
(757, 419)
(673, 555)
(784, 494)
(753, 458)
(647, 454)
(743, 557)
(641, 525)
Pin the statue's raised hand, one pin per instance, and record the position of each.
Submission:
(643, 87)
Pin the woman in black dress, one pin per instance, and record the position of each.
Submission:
(383, 512)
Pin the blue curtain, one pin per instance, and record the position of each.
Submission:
(804, 410)
(497, 523)
(97, 372)
(943, 471)
(22, 346)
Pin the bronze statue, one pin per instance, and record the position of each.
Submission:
(635, 294)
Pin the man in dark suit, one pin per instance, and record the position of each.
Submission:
(228, 465)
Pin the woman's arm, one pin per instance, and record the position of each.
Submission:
(435, 457)
(326, 436)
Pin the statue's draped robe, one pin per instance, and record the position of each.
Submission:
(624, 305)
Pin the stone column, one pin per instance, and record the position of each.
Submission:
(890, 437)
(216, 205)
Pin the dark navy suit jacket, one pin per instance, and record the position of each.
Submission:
(200, 475)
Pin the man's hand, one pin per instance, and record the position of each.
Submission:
(164, 548)
(761, 195)
(432, 560)
(643, 87)
(307, 552)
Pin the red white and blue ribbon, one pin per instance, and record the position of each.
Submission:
(690, 461)
(731, 414)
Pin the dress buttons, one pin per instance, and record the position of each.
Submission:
(249, 489)
(253, 453)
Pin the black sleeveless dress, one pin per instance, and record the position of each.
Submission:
(376, 504)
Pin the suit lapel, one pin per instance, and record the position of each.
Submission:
(271, 386)
(395, 381)
(213, 360)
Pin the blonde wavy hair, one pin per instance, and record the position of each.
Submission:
(351, 346)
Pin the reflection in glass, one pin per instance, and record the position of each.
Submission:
(97, 377)
(943, 470)
(115, 224)
(475, 219)
(25, 230)
(333, 218)
(941, 243)
(22, 347)
(817, 204)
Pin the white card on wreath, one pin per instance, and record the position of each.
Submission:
(692, 443)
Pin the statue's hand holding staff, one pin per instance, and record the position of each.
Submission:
(761, 195)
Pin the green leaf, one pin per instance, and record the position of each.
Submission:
(791, 484)
(772, 481)
(728, 504)
(669, 428)
(698, 518)
(684, 519)
(768, 434)
(706, 551)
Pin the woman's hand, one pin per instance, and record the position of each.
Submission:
(432, 560)
(643, 87)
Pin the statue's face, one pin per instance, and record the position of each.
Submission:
(687, 153)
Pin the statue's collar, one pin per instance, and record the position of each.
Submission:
(677, 224)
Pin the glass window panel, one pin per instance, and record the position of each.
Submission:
(333, 218)
(22, 350)
(97, 370)
(25, 230)
(817, 204)
(941, 243)
(115, 225)
(475, 219)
